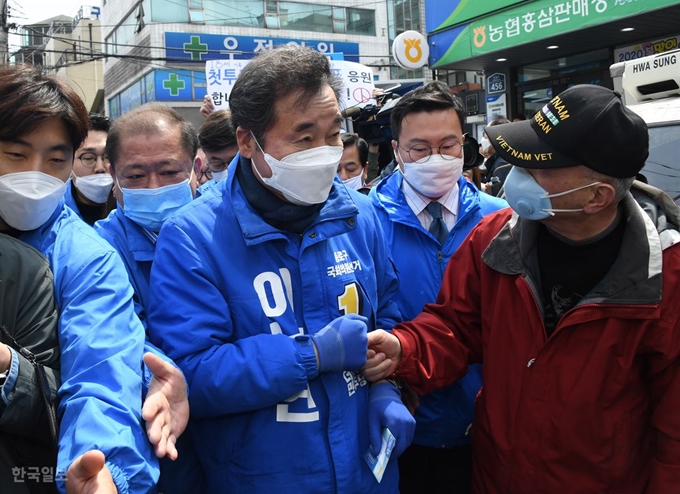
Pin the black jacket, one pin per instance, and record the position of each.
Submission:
(29, 314)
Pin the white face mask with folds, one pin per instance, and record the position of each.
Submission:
(354, 182)
(95, 187)
(306, 177)
(29, 198)
(435, 177)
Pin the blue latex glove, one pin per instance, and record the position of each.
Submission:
(342, 344)
(385, 409)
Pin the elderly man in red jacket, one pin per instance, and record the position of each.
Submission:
(570, 302)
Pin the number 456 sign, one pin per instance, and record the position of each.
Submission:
(495, 83)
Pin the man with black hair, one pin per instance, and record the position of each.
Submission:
(89, 193)
(100, 336)
(151, 150)
(217, 139)
(427, 210)
(570, 303)
(353, 167)
(264, 289)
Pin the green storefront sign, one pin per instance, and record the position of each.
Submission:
(539, 20)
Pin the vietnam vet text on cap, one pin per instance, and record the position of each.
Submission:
(584, 125)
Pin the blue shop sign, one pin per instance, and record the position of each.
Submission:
(495, 83)
(198, 47)
(179, 85)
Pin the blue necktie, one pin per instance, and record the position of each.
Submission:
(437, 227)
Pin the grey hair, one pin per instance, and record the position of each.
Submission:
(143, 121)
(621, 185)
(272, 75)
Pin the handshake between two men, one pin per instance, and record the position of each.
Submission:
(345, 344)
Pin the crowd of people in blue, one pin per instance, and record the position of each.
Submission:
(237, 310)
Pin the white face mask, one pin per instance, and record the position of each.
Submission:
(355, 182)
(219, 176)
(306, 177)
(434, 177)
(29, 198)
(95, 187)
(485, 143)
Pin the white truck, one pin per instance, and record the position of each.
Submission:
(651, 88)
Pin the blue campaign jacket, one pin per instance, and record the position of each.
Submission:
(206, 187)
(70, 200)
(137, 249)
(101, 342)
(443, 417)
(232, 301)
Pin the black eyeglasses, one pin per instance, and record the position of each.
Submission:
(205, 173)
(90, 159)
(219, 165)
(448, 150)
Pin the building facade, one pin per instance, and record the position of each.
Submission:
(70, 47)
(158, 48)
(530, 51)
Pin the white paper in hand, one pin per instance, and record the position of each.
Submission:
(379, 463)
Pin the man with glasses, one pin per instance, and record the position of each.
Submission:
(427, 210)
(217, 139)
(89, 194)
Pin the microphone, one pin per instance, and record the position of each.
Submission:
(351, 112)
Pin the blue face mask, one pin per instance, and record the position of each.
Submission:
(149, 208)
(531, 201)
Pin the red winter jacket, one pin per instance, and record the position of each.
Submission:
(595, 408)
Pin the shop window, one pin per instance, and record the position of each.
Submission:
(246, 13)
(306, 17)
(169, 11)
(361, 21)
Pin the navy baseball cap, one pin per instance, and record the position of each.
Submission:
(585, 125)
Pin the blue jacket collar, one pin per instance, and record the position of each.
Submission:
(389, 197)
(142, 247)
(338, 206)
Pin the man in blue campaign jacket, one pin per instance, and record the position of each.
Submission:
(428, 135)
(101, 339)
(89, 193)
(263, 290)
(165, 147)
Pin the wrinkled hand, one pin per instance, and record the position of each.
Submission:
(207, 107)
(383, 357)
(385, 409)
(88, 474)
(166, 408)
(341, 345)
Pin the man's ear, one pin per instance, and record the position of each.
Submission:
(603, 197)
(397, 155)
(245, 141)
(198, 163)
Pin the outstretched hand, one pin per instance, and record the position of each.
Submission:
(166, 408)
(88, 474)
